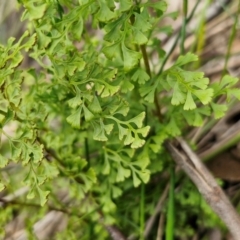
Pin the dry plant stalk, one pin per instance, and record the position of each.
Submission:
(206, 184)
(150, 222)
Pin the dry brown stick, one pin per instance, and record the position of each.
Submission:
(228, 139)
(151, 220)
(206, 184)
(160, 227)
(115, 233)
(43, 227)
(14, 195)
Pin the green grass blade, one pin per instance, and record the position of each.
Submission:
(142, 215)
(171, 208)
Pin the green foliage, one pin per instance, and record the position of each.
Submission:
(86, 119)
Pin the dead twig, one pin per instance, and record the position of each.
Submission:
(206, 184)
(160, 227)
(14, 195)
(115, 233)
(152, 219)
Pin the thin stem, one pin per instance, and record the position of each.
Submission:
(150, 222)
(5, 203)
(142, 200)
(61, 164)
(176, 40)
(25, 204)
(160, 227)
(145, 59)
(171, 208)
(183, 30)
(220, 147)
(142, 215)
(230, 42)
(87, 150)
(148, 70)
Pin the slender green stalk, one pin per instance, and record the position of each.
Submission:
(200, 34)
(176, 40)
(231, 38)
(148, 70)
(22, 204)
(142, 215)
(87, 150)
(145, 59)
(184, 23)
(171, 208)
(142, 194)
(171, 204)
